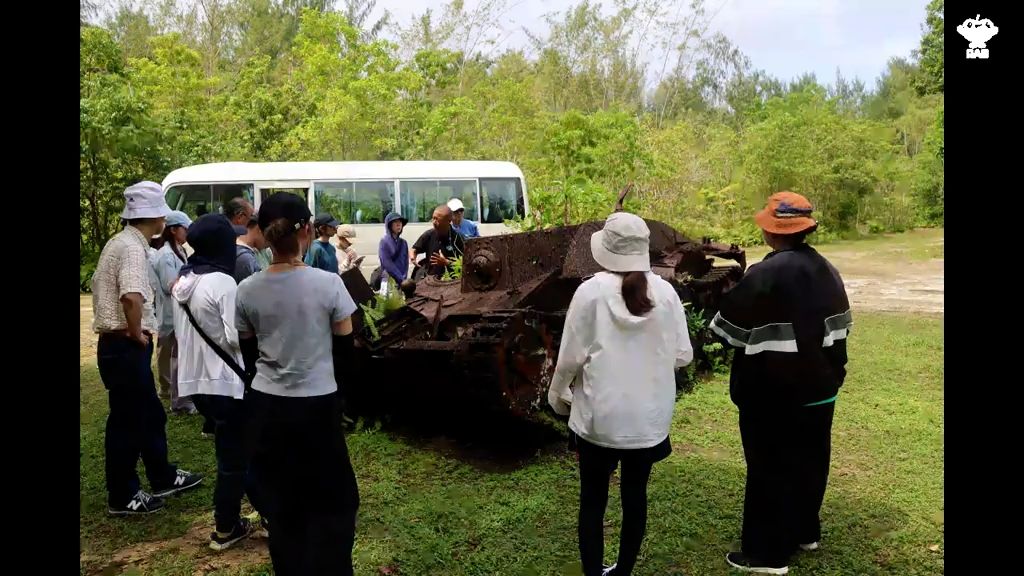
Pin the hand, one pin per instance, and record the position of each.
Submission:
(143, 338)
(438, 259)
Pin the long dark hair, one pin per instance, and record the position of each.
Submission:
(168, 237)
(634, 292)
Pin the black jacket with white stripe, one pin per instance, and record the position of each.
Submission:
(788, 319)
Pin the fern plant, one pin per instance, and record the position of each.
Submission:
(455, 271)
(382, 306)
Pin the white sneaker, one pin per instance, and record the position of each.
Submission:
(608, 570)
(811, 547)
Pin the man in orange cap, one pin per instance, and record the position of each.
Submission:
(788, 320)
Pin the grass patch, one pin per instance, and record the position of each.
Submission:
(915, 246)
(427, 512)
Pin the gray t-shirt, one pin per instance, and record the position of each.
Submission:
(291, 315)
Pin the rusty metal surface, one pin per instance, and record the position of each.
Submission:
(492, 337)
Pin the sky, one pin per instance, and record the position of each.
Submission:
(786, 38)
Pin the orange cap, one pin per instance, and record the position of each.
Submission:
(786, 213)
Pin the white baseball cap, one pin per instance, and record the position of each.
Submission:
(623, 245)
(455, 205)
(144, 200)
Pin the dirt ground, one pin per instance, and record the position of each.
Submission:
(901, 273)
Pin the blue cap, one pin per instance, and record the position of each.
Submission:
(178, 218)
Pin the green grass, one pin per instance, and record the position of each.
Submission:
(914, 246)
(425, 512)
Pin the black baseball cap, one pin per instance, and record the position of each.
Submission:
(284, 205)
(325, 219)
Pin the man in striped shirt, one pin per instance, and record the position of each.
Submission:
(788, 320)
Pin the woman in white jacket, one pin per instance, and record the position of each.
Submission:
(207, 288)
(625, 335)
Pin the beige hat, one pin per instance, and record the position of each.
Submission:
(623, 245)
(346, 231)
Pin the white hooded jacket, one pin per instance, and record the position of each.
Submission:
(211, 298)
(620, 367)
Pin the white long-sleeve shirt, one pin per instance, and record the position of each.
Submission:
(211, 298)
(621, 368)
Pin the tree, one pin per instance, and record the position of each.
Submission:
(931, 79)
(117, 138)
(358, 12)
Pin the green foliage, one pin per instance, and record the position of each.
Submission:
(455, 273)
(381, 307)
(931, 77)
(163, 86)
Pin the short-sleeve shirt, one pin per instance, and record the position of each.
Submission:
(123, 268)
(291, 313)
(451, 246)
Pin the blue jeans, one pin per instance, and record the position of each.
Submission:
(228, 417)
(136, 425)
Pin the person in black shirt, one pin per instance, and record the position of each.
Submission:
(441, 244)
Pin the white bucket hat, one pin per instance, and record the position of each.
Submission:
(144, 200)
(623, 245)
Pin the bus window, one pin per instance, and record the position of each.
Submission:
(192, 199)
(501, 199)
(223, 193)
(268, 192)
(355, 202)
(419, 198)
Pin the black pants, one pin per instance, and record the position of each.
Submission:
(596, 466)
(228, 417)
(136, 423)
(787, 455)
(305, 483)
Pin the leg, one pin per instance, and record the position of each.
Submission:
(331, 537)
(595, 472)
(118, 360)
(814, 452)
(163, 363)
(226, 413)
(288, 549)
(178, 404)
(633, 489)
(153, 432)
(766, 534)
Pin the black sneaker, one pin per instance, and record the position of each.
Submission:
(220, 541)
(741, 562)
(141, 503)
(182, 481)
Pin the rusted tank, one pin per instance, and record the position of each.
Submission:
(489, 341)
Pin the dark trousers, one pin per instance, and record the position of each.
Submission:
(136, 423)
(787, 454)
(305, 483)
(597, 464)
(228, 417)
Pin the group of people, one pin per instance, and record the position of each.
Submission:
(263, 350)
(625, 333)
(262, 359)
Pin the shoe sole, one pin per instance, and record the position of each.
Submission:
(221, 546)
(121, 513)
(810, 547)
(172, 491)
(757, 570)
